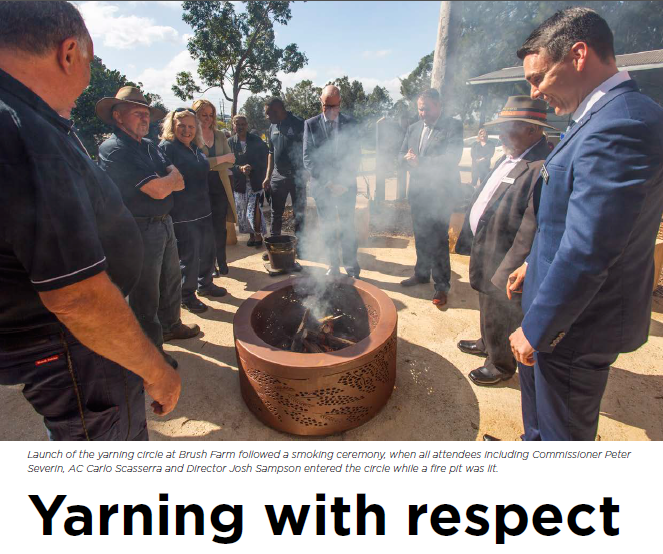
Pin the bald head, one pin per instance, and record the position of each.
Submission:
(331, 102)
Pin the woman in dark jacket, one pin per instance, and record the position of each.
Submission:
(248, 175)
(192, 213)
(482, 152)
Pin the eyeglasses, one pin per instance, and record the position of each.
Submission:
(180, 110)
(330, 106)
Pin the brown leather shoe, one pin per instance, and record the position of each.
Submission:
(181, 331)
(440, 298)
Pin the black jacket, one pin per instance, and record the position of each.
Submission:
(507, 226)
(255, 155)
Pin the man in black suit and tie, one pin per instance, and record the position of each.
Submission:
(332, 155)
(499, 227)
(432, 149)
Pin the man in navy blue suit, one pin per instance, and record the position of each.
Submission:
(332, 155)
(588, 279)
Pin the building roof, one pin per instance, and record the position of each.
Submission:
(638, 61)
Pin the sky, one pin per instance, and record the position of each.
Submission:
(373, 42)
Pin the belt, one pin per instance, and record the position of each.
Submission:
(26, 339)
(153, 219)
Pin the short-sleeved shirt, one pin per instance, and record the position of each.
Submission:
(62, 219)
(285, 142)
(131, 165)
(192, 203)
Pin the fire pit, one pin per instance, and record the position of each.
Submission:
(316, 358)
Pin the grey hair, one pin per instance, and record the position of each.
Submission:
(39, 27)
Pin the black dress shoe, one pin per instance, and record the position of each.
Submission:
(488, 376)
(333, 272)
(353, 271)
(470, 347)
(212, 290)
(414, 280)
(490, 438)
(223, 269)
(194, 305)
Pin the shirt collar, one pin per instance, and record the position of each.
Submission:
(433, 125)
(598, 93)
(125, 138)
(328, 120)
(23, 93)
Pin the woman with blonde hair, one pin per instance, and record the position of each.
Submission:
(215, 144)
(182, 144)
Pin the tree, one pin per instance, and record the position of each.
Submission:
(103, 82)
(237, 51)
(417, 80)
(378, 102)
(254, 110)
(303, 99)
(353, 97)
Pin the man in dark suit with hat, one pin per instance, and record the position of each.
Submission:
(432, 149)
(146, 180)
(588, 279)
(499, 229)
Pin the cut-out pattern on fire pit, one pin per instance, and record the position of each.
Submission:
(309, 393)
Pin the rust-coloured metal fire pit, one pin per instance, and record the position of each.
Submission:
(315, 393)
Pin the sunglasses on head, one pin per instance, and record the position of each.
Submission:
(180, 110)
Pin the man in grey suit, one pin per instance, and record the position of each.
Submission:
(432, 149)
(332, 155)
(499, 228)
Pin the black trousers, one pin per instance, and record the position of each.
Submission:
(499, 317)
(112, 398)
(561, 394)
(430, 223)
(157, 296)
(280, 191)
(336, 218)
(195, 244)
(220, 206)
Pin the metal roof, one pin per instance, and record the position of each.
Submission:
(638, 61)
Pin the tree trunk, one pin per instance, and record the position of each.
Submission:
(448, 35)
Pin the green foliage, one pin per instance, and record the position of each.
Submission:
(303, 99)
(416, 81)
(237, 51)
(104, 82)
(254, 110)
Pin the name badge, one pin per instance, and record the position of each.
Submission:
(544, 174)
(509, 180)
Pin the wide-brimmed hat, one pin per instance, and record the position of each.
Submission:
(126, 95)
(523, 108)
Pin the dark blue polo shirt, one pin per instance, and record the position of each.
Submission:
(131, 165)
(62, 219)
(192, 203)
(285, 141)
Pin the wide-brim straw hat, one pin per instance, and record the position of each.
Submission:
(126, 95)
(523, 108)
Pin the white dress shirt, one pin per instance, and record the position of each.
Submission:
(494, 181)
(598, 93)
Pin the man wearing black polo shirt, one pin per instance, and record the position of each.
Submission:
(70, 251)
(146, 180)
(285, 165)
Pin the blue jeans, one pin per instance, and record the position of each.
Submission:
(157, 296)
(112, 399)
(195, 244)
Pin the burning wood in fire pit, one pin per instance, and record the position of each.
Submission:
(318, 335)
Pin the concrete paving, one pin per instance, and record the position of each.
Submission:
(433, 398)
